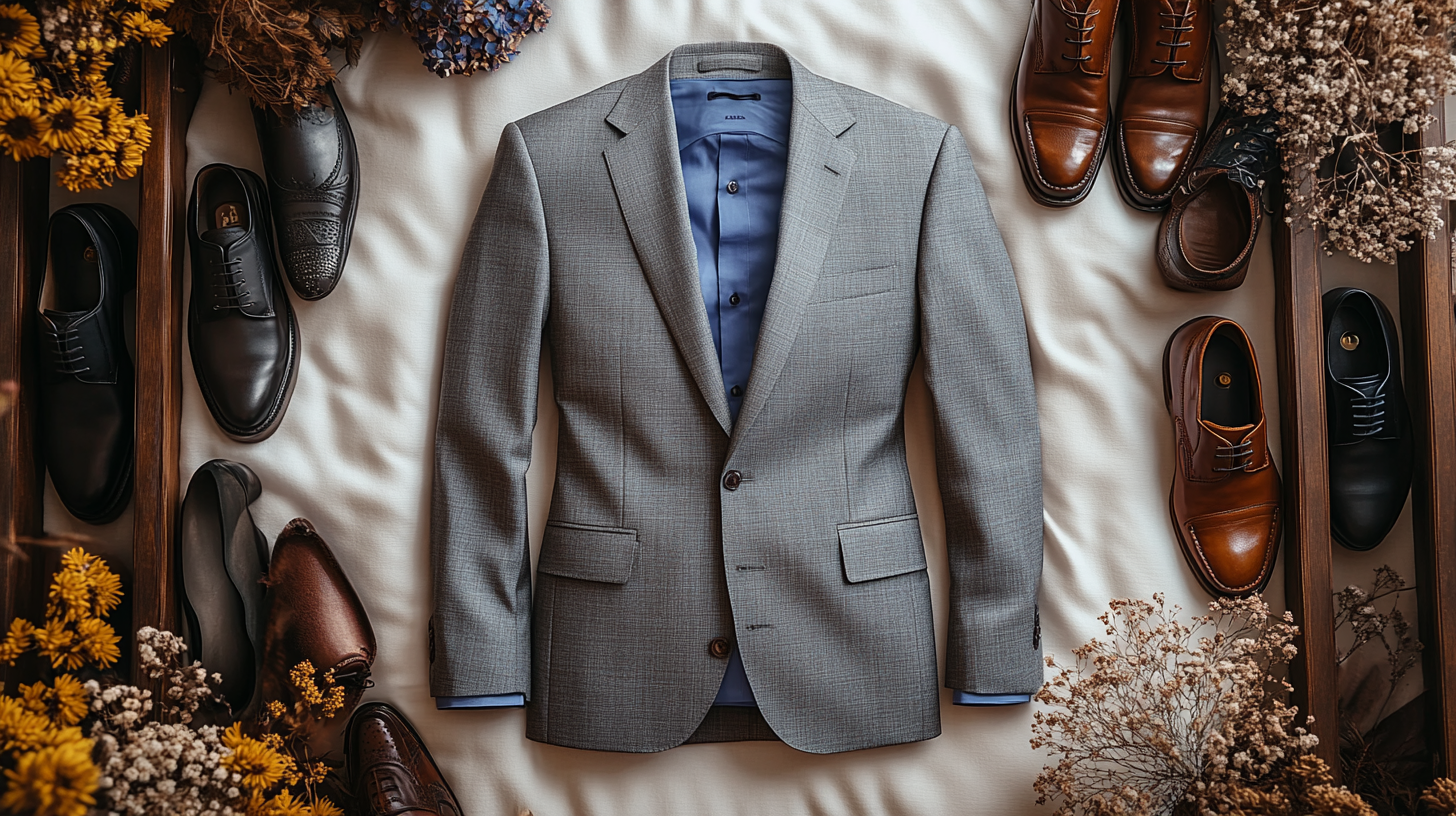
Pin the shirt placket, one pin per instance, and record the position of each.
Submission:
(735, 232)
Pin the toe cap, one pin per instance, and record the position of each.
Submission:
(1064, 150)
(1154, 155)
(1234, 548)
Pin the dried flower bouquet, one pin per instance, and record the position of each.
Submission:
(1348, 79)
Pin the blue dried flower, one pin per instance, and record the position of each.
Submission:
(465, 36)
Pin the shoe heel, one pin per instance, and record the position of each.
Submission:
(250, 480)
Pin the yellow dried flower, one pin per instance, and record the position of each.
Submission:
(98, 641)
(73, 124)
(302, 678)
(17, 78)
(23, 128)
(284, 804)
(154, 5)
(19, 31)
(258, 766)
(64, 703)
(324, 807)
(20, 728)
(17, 641)
(59, 644)
(70, 597)
(275, 710)
(138, 25)
(54, 781)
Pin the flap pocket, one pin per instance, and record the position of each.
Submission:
(588, 552)
(881, 548)
(856, 283)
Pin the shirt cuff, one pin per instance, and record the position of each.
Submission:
(966, 698)
(483, 701)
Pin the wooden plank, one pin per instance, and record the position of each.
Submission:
(1307, 565)
(1430, 380)
(24, 194)
(168, 94)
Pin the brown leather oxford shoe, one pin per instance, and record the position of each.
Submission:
(1060, 100)
(1163, 107)
(1225, 496)
(391, 773)
(311, 613)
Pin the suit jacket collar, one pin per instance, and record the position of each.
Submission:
(646, 171)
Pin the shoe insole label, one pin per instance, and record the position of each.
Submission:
(227, 215)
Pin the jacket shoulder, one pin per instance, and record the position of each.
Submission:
(588, 110)
(879, 113)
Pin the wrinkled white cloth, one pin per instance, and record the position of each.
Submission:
(354, 452)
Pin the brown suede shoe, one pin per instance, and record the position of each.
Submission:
(1060, 100)
(1163, 107)
(311, 613)
(1225, 497)
(1208, 233)
(391, 773)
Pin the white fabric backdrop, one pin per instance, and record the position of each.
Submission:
(354, 453)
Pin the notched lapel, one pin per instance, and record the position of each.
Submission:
(818, 176)
(647, 175)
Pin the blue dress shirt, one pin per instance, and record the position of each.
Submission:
(733, 140)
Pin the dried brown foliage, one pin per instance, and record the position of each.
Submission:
(1165, 715)
(276, 50)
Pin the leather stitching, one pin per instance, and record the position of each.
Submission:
(1127, 166)
(1197, 549)
(1031, 149)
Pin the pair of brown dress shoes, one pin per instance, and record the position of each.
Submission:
(1061, 105)
(1225, 496)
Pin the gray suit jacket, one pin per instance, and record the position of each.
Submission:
(811, 559)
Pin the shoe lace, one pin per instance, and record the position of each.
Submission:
(1083, 24)
(1239, 455)
(228, 285)
(1368, 412)
(69, 354)
(1248, 157)
(1177, 22)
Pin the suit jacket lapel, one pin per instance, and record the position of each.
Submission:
(646, 171)
(818, 175)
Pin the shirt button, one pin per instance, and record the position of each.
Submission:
(736, 391)
(734, 299)
(732, 479)
(732, 187)
(719, 648)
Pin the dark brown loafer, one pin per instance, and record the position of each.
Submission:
(391, 772)
(1225, 497)
(314, 614)
(1208, 233)
(1060, 100)
(1163, 107)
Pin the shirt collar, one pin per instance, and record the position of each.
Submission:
(697, 116)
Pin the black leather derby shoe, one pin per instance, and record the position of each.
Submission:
(221, 560)
(241, 330)
(1372, 453)
(86, 384)
(313, 178)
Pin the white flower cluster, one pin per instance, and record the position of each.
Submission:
(160, 767)
(1350, 79)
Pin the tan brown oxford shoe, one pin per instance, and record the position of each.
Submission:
(391, 773)
(1060, 99)
(1163, 108)
(1225, 497)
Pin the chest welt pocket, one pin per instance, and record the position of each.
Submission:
(840, 285)
(588, 552)
(881, 548)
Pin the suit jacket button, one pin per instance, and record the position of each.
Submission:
(732, 479)
(719, 648)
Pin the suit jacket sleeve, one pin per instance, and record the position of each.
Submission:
(987, 440)
(479, 550)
